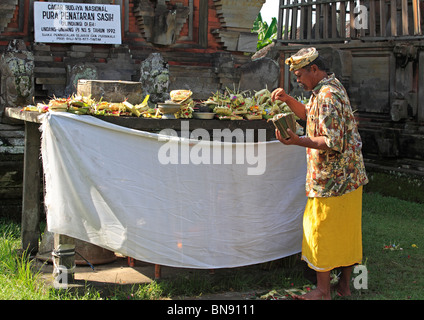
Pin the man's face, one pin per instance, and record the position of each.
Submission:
(305, 78)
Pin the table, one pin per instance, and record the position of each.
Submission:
(32, 187)
(223, 212)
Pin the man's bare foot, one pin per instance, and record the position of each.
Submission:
(341, 290)
(313, 295)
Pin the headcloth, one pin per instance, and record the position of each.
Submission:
(302, 58)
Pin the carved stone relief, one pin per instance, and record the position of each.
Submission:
(159, 21)
(17, 75)
(154, 75)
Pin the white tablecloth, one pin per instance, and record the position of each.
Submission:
(112, 186)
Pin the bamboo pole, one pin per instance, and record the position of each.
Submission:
(383, 18)
(416, 17)
(393, 18)
(405, 31)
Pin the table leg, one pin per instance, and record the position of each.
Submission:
(31, 189)
(131, 262)
(63, 257)
(158, 272)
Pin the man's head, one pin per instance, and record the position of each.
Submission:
(308, 67)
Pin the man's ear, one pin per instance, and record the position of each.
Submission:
(314, 68)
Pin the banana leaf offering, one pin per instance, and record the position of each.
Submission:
(284, 121)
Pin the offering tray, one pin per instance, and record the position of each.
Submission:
(169, 109)
(284, 121)
(204, 115)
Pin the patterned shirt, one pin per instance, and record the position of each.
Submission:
(341, 169)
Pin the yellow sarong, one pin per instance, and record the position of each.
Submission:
(332, 231)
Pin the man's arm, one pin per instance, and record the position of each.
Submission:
(307, 142)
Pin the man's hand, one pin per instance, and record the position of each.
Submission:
(297, 107)
(279, 94)
(293, 139)
(307, 142)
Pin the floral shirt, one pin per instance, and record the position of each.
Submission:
(341, 169)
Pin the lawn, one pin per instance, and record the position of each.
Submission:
(393, 242)
(393, 248)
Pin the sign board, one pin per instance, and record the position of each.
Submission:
(77, 23)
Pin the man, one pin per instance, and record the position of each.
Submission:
(332, 234)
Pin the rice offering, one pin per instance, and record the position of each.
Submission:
(284, 121)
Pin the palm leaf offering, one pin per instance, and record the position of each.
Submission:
(284, 121)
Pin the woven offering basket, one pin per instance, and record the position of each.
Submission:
(283, 121)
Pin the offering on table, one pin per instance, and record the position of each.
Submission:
(78, 106)
(183, 98)
(180, 95)
(109, 109)
(58, 104)
(223, 111)
(137, 109)
(254, 112)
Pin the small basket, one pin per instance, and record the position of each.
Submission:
(284, 121)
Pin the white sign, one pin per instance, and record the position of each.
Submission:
(77, 23)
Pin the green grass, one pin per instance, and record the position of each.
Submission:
(396, 184)
(20, 279)
(396, 273)
(393, 243)
(17, 281)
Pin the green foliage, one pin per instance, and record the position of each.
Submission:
(266, 34)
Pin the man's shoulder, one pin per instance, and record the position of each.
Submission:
(333, 89)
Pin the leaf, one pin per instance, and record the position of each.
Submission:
(257, 23)
(272, 29)
(265, 33)
(273, 295)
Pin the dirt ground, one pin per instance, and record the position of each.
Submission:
(119, 272)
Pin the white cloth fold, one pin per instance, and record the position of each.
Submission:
(117, 188)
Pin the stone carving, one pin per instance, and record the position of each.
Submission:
(404, 53)
(160, 22)
(154, 75)
(17, 75)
